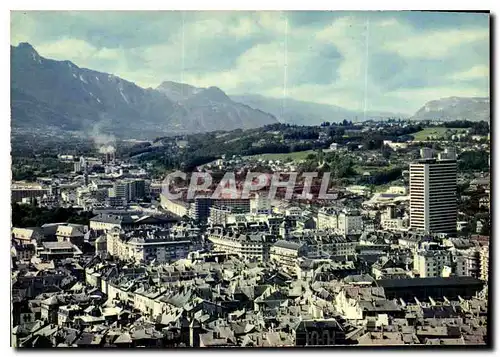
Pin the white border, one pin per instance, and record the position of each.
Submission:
(194, 5)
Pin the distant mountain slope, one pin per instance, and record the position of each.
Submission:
(59, 94)
(455, 108)
(177, 92)
(212, 108)
(306, 113)
(79, 97)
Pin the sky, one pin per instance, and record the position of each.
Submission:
(375, 61)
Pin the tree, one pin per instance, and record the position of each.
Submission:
(32, 216)
(386, 152)
(473, 161)
(321, 156)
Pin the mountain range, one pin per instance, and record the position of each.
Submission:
(58, 94)
(455, 108)
(298, 112)
(50, 94)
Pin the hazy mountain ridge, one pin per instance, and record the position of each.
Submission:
(177, 92)
(60, 94)
(298, 112)
(455, 108)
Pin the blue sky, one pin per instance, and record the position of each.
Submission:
(378, 61)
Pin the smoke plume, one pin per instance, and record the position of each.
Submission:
(105, 143)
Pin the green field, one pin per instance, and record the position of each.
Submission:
(295, 156)
(439, 131)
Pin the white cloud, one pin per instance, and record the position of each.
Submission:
(436, 44)
(256, 66)
(427, 94)
(22, 28)
(476, 72)
(67, 49)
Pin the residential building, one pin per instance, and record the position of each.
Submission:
(58, 250)
(74, 233)
(177, 207)
(466, 262)
(260, 204)
(327, 218)
(319, 242)
(22, 190)
(148, 245)
(350, 222)
(119, 190)
(23, 251)
(136, 189)
(221, 214)
(127, 220)
(26, 235)
(484, 255)
(430, 260)
(286, 253)
(344, 222)
(199, 210)
(253, 246)
(129, 189)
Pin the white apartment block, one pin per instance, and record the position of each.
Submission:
(320, 242)
(466, 263)
(430, 263)
(286, 253)
(293, 212)
(433, 201)
(251, 246)
(219, 215)
(350, 223)
(144, 249)
(393, 224)
(260, 204)
(179, 208)
(484, 258)
(327, 219)
(345, 222)
(397, 190)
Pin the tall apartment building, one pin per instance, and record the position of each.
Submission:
(350, 222)
(119, 190)
(199, 210)
(466, 262)
(136, 189)
(433, 200)
(129, 190)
